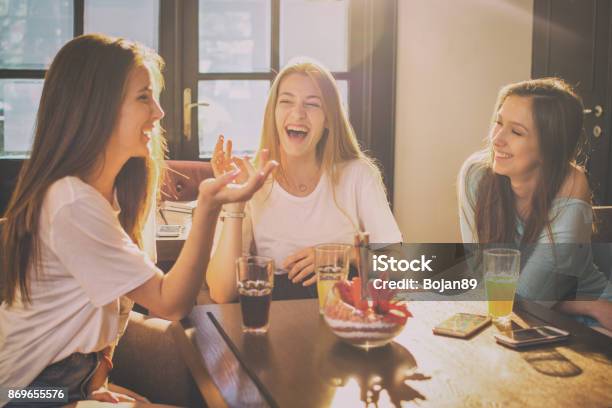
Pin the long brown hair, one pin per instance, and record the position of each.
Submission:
(558, 113)
(338, 145)
(80, 102)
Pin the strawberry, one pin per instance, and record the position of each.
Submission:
(344, 290)
(381, 298)
(398, 314)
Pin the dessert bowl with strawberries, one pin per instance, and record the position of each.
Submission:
(366, 323)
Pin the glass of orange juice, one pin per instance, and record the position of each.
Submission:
(501, 271)
(331, 265)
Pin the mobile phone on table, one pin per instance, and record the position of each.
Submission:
(169, 230)
(531, 336)
(462, 325)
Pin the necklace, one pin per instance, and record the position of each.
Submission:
(302, 188)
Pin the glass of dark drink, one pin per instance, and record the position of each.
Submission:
(255, 275)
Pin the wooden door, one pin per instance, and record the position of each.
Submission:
(571, 39)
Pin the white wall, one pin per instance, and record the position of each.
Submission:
(453, 56)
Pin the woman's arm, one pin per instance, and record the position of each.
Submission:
(561, 262)
(220, 274)
(554, 271)
(600, 310)
(173, 295)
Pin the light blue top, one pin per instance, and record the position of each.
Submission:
(549, 272)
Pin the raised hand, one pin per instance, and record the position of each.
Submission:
(222, 160)
(301, 265)
(219, 191)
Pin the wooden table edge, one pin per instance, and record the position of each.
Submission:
(193, 359)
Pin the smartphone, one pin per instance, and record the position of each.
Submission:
(531, 336)
(169, 230)
(462, 325)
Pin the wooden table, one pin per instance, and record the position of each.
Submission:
(300, 363)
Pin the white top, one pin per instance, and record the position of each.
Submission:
(282, 223)
(88, 262)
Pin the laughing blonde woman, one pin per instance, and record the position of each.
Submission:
(324, 190)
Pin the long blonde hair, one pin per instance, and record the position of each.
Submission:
(79, 106)
(338, 145)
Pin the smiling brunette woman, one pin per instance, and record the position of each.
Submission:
(73, 237)
(526, 190)
(324, 190)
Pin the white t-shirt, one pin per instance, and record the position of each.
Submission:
(88, 262)
(282, 224)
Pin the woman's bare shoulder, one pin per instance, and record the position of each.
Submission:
(576, 185)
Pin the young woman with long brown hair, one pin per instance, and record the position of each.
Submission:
(73, 241)
(526, 190)
(324, 190)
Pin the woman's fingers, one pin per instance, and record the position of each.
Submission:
(225, 179)
(244, 170)
(310, 281)
(240, 162)
(256, 179)
(212, 186)
(219, 144)
(220, 192)
(304, 266)
(264, 156)
(124, 398)
(303, 273)
(268, 169)
(217, 159)
(104, 395)
(221, 159)
(125, 391)
(245, 191)
(248, 178)
(249, 166)
(292, 260)
(244, 163)
(226, 156)
(228, 151)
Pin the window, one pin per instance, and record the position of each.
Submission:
(137, 20)
(19, 99)
(318, 29)
(31, 33)
(238, 57)
(225, 53)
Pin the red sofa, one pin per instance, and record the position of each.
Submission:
(183, 178)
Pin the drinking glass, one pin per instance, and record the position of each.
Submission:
(501, 271)
(255, 276)
(331, 265)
